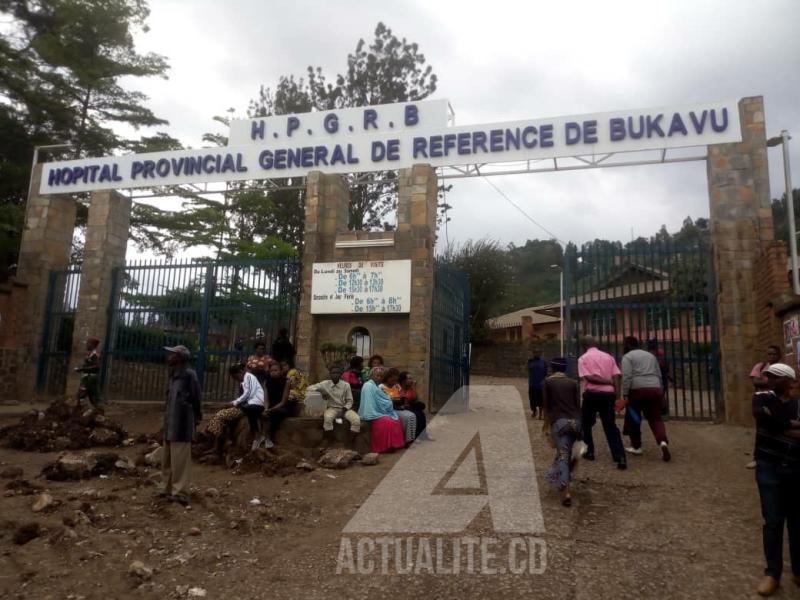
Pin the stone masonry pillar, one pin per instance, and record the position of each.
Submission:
(326, 214)
(416, 230)
(104, 250)
(741, 227)
(45, 246)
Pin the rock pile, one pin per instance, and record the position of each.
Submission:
(62, 427)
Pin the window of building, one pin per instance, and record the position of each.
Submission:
(360, 340)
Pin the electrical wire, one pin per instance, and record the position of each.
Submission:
(526, 215)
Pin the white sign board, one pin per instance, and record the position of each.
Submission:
(287, 153)
(329, 124)
(369, 287)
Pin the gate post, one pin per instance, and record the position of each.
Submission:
(104, 250)
(741, 227)
(45, 246)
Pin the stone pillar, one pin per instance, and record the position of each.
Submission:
(45, 246)
(416, 234)
(326, 214)
(104, 250)
(741, 226)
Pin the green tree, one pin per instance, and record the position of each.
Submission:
(486, 264)
(61, 67)
(386, 70)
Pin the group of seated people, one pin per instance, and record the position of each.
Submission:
(386, 397)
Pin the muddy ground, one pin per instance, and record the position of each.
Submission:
(686, 529)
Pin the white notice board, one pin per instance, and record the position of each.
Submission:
(370, 286)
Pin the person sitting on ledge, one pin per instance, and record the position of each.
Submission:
(412, 403)
(297, 385)
(339, 403)
(376, 407)
(391, 387)
(352, 375)
(250, 403)
(376, 360)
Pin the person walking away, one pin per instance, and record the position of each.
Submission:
(663, 365)
(277, 389)
(386, 429)
(537, 371)
(89, 386)
(183, 413)
(352, 375)
(777, 455)
(339, 403)
(760, 382)
(562, 416)
(602, 387)
(282, 348)
(643, 397)
(250, 401)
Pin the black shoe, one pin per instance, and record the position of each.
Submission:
(588, 456)
(622, 464)
(180, 499)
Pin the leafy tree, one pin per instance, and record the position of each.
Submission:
(61, 63)
(486, 264)
(780, 214)
(386, 70)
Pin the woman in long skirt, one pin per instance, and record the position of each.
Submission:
(386, 429)
(562, 410)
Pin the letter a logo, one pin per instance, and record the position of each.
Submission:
(480, 458)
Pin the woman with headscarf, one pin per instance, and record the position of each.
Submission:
(376, 407)
(562, 416)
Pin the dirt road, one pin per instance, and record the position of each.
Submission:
(686, 529)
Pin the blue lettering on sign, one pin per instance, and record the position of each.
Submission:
(572, 130)
(257, 129)
(320, 155)
(331, 123)
(700, 124)
(436, 146)
(546, 136)
(280, 159)
(616, 128)
(496, 140)
(393, 149)
(370, 118)
(292, 123)
(308, 157)
(632, 132)
(337, 156)
(464, 143)
(136, 168)
(654, 125)
(378, 151)
(228, 164)
(411, 115)
(420, 146)
(208, 164)
(149, 169)
(240, 167)
(479, 140)
(162, 167)
(677, 125)
(529, 136)
(719, 127)
(352, 159)
(105, 173)
(590, 132)
(266, 159)
(449, 143)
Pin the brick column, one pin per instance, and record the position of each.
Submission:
(326, 213)
(741, 225)
(416, 233)
(45, 246)
(104, 250)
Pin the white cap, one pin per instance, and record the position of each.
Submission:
(781, 370)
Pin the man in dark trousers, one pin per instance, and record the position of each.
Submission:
(601, 377)
(182, 415)
(537, 371)
(777, 455)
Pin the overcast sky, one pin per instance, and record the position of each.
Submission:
(499, 61)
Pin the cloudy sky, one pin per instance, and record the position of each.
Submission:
(501, 61)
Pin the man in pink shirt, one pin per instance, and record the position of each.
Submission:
(602, 383)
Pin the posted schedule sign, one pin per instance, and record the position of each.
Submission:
(369, 287)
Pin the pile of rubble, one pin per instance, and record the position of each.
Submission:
(62, 427)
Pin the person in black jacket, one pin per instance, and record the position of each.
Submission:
(777, 457)
(182, 415)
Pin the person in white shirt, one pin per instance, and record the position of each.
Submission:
(339, 401)
(250, 402)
